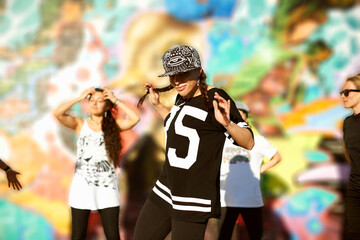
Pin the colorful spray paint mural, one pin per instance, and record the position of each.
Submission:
(286, 59)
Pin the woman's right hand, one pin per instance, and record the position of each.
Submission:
(12, 179)
(153, 94)
(86, 93)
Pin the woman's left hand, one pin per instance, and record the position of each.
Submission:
(221, 110)
(108, 94)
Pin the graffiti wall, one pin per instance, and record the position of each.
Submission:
(286, 59)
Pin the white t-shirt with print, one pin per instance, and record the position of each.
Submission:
(240, 173)
(94, 185)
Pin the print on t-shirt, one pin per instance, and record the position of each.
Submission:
(92, 163)
(236, 155)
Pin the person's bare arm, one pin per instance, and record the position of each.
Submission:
(67, 120)
(155, 101)
(271, 163)
(242, 136)
(132, 116)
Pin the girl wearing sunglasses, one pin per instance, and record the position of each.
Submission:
(346, 92)
(351, 128)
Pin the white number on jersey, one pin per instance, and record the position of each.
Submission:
(182, 130)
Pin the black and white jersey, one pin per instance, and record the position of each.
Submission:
(188, 186)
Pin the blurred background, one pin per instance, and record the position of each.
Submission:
(286, 59)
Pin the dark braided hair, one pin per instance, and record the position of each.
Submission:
(111, 133)
(204, 91)
(164, 89)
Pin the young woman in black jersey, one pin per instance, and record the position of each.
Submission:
(350, 95)
(186, 194)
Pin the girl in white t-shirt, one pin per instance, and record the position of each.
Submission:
(240, 191)
(94, 185)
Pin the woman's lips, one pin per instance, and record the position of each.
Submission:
(180, 88)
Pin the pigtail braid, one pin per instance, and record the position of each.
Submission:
(204, 90)
(164, 89)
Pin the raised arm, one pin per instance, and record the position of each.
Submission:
(242, 136)
(67, 120)
(272, 162)
(132, 116)
(155, 101)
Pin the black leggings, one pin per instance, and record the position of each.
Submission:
(155, 224)
(252, 217)
(109, 219)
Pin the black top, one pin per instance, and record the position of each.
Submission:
(351, 131)
(188, 187)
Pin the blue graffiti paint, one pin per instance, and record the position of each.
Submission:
(257, 10)
(193, 10)
(23, 224)
(339, 32)
(316, 156)
(314, 226)
(19, 6)
(311, 200)
(5, 24)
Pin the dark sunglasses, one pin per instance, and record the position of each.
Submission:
(346, 91)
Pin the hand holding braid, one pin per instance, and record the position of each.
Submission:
(154, 94)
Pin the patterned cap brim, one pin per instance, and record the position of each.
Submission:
(176, 72)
